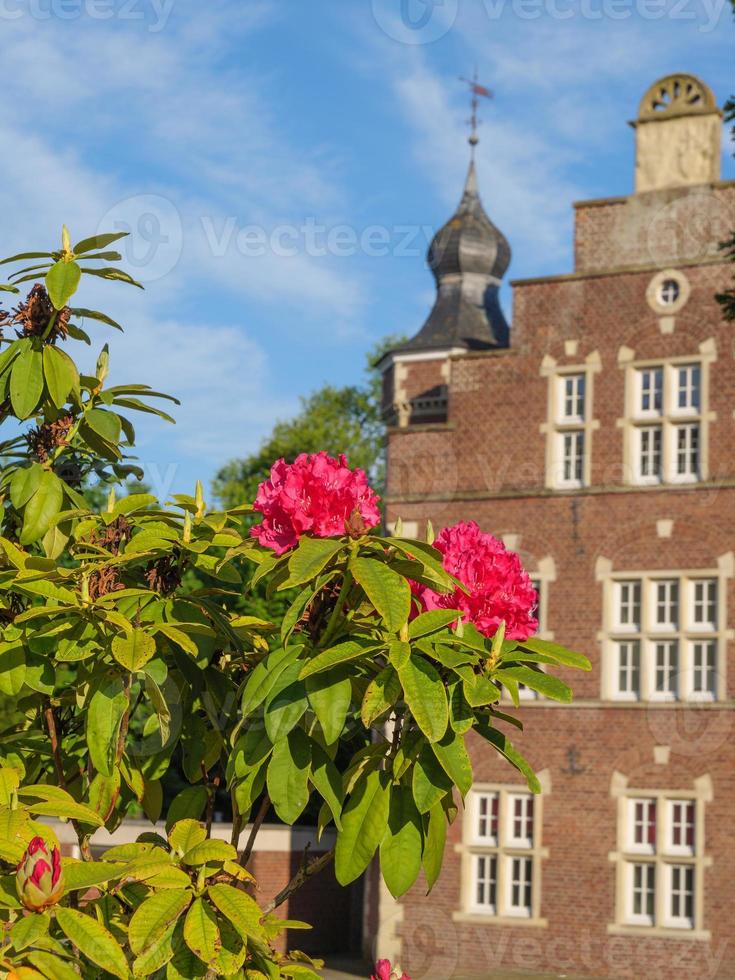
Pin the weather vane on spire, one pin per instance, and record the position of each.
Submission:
(476, 90)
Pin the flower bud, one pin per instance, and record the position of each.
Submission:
(384, 971)
(39, 878)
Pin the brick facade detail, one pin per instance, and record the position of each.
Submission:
(488, 462)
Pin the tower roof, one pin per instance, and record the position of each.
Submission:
(469, 241)
(468, 257)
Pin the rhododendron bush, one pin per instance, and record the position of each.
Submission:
(391, 653)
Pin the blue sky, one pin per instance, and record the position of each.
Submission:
(282, 166)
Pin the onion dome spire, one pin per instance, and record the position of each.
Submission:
(468, 257)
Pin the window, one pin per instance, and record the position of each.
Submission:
(572, 392)
(665, 413)
(664, 637)
(573, 458)
(570, 424)
(660, 868)
(502, 853)
(668, 292)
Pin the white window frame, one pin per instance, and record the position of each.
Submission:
(679, 627)
(503, 850)
(668, 417)
(562, 425)
(664, 858)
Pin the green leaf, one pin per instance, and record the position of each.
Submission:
(28, 929)
(309, 559)
(109, 272)
(60, 373)
(179, 637)
(103, 793)
(24, 483)
(59, 798)
(400, 849)
(461, 715)
(42, 508)
(537, 680)
(26, 380)
(93, 941)
(454, 760)
(201, 931)
(238, 908)
(478, 690)
(435, 837)
(22, 256)
(159, 953)
(62, 280)
(133, 650)
(504, 745)
(151, 919)
(328, 782)
(189, 803)
(432, 621)
(94, 243)
(341, 653)
(9, 783)
(186, 834)
(184, 965)
(381, 694)
(82, 875)
(105, 424)
(364, 823)
(430, 783)
(426, 696)
(430, 558)
(388, 591)
(263, 678)
(104, 717)
(52, 966)
(567, 658)
(210, 850)
(330, 694)
(286, 704)
(288, 775)
(12, 669)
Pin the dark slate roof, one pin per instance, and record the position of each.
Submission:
(469, 241)
(468, 258)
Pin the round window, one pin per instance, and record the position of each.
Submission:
(668, 292)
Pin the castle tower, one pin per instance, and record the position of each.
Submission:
(468, 257)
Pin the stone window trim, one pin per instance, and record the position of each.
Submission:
(613, 633)
(543, 576)
(662, 855)
(656, 292)
(556, 426)
(635, 422)
(403, 406)
(504, 850)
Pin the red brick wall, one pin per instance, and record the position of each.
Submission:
(488, 464)
(578, 880)
(659, 227)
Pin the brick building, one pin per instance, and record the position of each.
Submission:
(595, 436)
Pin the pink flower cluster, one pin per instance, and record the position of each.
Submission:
(317, 495)
(384, 971)
(499, 587)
